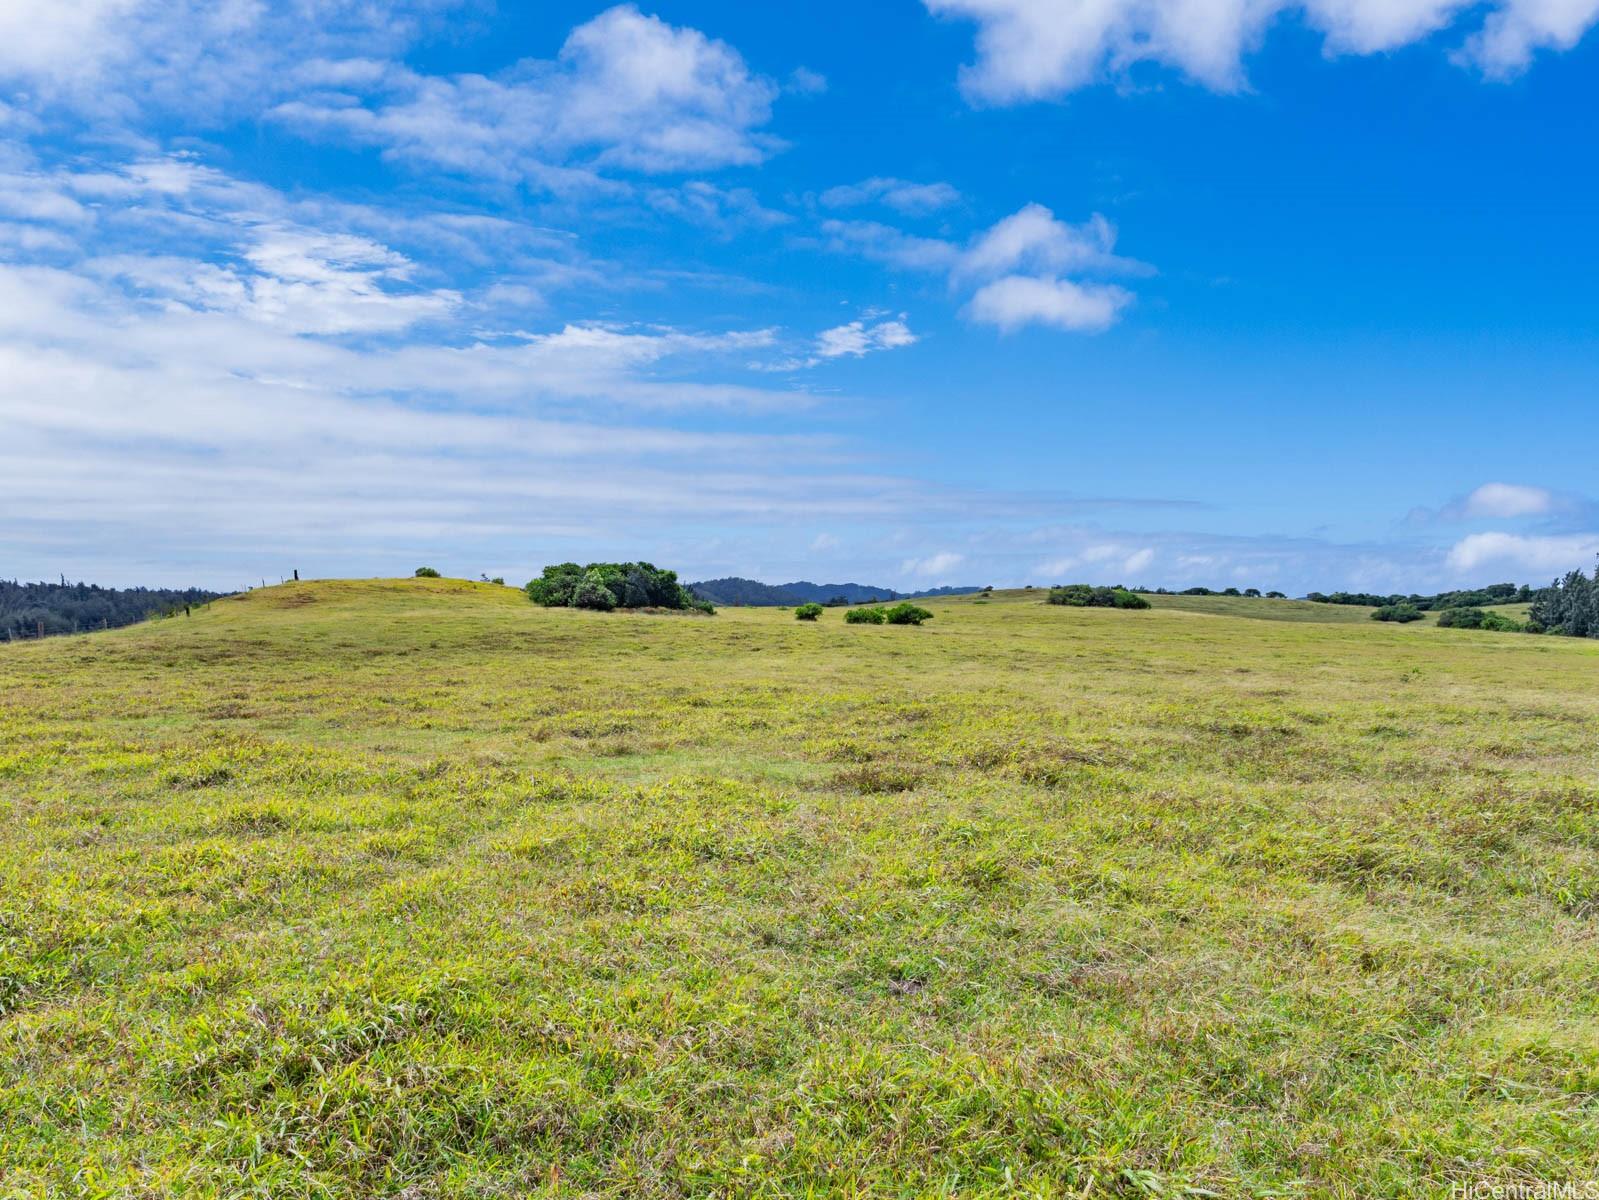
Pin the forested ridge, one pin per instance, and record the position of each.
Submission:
(30, 610)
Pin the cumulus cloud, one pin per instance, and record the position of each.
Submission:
(1552, 554)
(1039, 49)
(912, 199)
(626, 90)
(1018, 300)
(1018, 270)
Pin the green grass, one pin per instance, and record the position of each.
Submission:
(412, 889)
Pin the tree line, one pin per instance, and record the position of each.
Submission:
(31, 610)
(1569, 606)
(1494, 593)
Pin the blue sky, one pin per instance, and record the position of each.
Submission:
(1264, 293)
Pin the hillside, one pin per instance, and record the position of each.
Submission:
(412, 888)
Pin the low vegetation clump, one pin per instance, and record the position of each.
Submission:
(1477, 618)
(1082, 595)
(1403, 614)
(867, 616)
(426, 573)
(369, 889)
(808, 612)
(907, 614)
(606, 586)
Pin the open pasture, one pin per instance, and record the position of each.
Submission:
(410, 888)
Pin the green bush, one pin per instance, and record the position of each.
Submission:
(1402, 613)
(426, 573)
(1081, 595)
(907, 614)
(807, 612)
(592, 592)
(865, 616)
(1476, 618)
(631, 585)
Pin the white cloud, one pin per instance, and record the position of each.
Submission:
(1097, 559)
(885, 244)
(1019, 300)
(912, 199)
(1550, 555)
(1513, 32)
(1139, 560)
(725, 210)
(857, 339)
(198, 57)
(1018, 267)
(933, 566)
(300, 281)
(626, 90)
(1034, 240)
(1508, 500)
(1038, 49)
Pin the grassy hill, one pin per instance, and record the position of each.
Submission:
(410, 888)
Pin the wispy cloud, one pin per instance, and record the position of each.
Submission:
(934, 566)
(912, 199)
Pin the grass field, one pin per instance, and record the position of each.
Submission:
(411, 889)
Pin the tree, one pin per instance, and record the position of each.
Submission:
(631, 585)
(426, 573)
(1569, 606)
(808, 612)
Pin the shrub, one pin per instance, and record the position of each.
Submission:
(907, 614)
(807, 612)
(1403, 613)
(865, 616)
(1476, 618)
(1080, 595)
(426, 573)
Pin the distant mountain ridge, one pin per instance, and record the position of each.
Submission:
(736, 591)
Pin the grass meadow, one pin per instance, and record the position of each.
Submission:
(412, 889)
